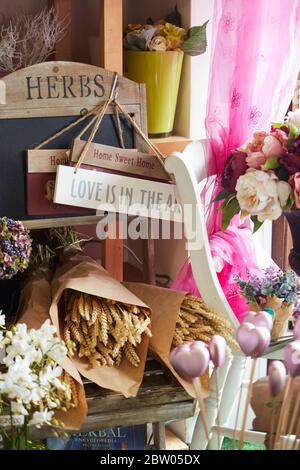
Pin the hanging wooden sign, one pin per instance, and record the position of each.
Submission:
(38, 102)
(41, 174)
(115, 193)
(128, 161)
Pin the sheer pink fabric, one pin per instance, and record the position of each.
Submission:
(255, 62)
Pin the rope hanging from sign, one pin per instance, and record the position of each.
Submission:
(119, 127)
(99, 112)
(70, 126)
(113, 100)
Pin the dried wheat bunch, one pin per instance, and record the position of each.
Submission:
(73, 384)
(29, 40)
(198, 322)
(102, 330)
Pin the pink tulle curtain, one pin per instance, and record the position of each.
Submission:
(255, 61)
(254, 67)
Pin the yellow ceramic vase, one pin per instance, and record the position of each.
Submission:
(160, 71)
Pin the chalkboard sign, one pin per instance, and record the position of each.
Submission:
(42, 99)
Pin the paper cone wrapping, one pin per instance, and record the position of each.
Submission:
(80, 273)
(282, 311)
(34, 311)
(165, 305)
(260, 403)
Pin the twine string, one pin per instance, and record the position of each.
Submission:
(99, 111)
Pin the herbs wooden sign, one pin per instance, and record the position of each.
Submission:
(115, 193)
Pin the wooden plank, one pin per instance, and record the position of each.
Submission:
(35, 224)
(160, 395)
(159, 435)
(149, 269)
(111, 58)
(107, 420)
(104, 191)
(46, 161)
(113, 253)
(128, 161)
(150, 414)
(281, 243)
(58, 85)
(63, 49)
(167, 145)
(111, 27)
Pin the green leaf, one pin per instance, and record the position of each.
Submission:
(278, 125)
(222, 195)
(271, 163)
(228, 199)
(244, 214)
(257, 223)
(196, 42)
(290, 203)
(134, 43)
(229, 209)
(292, 134)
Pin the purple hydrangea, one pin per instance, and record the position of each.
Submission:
(15, 248)
(273, 282)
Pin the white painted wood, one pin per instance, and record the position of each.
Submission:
(189, 171)
(115, 193)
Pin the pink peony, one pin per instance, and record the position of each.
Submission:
(264, 145)
(272, 146)
(256, 160)
(282, 136)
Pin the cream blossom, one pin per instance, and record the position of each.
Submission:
(17, 408)
(293, 119)
(31, 380)
(261, 194)
(41, 417)
(158, 43)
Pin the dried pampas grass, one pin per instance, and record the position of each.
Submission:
(29, 40)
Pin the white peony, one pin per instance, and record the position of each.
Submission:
(293, 119)
(260, 193)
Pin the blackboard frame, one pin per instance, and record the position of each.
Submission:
(64, 89)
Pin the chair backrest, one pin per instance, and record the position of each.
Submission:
(189, 170)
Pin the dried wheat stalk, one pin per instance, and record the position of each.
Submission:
(198, 322)
(102, 330)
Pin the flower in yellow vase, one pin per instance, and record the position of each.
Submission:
(174, 36)
(158, 43)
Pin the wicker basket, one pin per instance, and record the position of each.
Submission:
(282, 311)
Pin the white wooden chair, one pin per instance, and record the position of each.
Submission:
(189, 171)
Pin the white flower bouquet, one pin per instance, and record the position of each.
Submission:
(31, 385)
